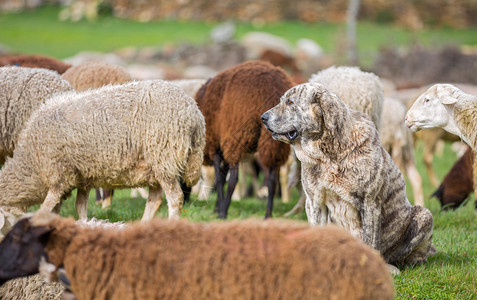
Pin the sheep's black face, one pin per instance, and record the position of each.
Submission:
(21, 250)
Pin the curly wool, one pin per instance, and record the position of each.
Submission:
(228, 260)
(33, 287)
(360, 90)
(155, 134)
(22, 91)
(95, 74)
(35, 61)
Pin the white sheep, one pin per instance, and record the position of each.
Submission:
(397, 140)
(177, 259)
(155, 136)
(22, 91)
(189, 86)
(446, 106)
(33, 287)
(360, 90)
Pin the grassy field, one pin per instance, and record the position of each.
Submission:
(451, 274)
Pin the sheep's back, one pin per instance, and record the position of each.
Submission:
(225, 261)
(95, 74)
(360, 90)
(115, 130)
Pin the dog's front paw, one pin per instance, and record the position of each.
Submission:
(393, 270)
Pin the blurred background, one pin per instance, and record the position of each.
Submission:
(412, 43)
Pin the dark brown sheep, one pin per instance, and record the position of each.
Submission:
(35, 61)
(458, 183)
(288, 63)
(177, 259)
(232, 103)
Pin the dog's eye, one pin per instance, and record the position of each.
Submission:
(289, 102)
(426, 100)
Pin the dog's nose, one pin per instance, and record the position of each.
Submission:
(264, 117)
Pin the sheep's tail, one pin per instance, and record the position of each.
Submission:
(196, 157)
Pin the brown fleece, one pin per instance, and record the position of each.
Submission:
(35, 61)
(458, 183)
(94, 74)
(250, 259)
(232, 103)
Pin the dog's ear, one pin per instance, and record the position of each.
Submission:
(330, 108)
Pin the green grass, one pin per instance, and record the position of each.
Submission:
(451, 274)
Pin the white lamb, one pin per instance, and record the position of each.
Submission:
(445, 106)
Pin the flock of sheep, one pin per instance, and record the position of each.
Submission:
(91, 126)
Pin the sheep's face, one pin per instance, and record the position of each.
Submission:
(302, 112)
(21, 250)
(431, 109)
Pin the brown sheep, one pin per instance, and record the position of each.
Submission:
(93, 75)
(232, 103)
(35, 61)
(458, 183)
(181, 260)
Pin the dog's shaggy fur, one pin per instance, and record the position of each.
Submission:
(348, 177)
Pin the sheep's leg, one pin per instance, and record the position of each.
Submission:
(300, 205)
(220, 175)
(154, 201)
(284, 183)
(52, 199)
(99, 195)
(271, 184)
(430, 140)
(174, 197)
(186, 190)
(233, 179)
(107, 198)
(207, 182)
(428, 158)
(416, 182)
(82, 203)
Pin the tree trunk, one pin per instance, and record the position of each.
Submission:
(351, 19)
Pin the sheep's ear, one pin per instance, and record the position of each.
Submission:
(42, 233)
(444, 94)
(2, 220)
(448, 100)
(39, 231)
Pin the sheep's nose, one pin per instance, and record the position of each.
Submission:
(265, 117)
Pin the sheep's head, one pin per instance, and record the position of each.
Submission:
(22, 249)
(305, 110)
(7, 220)
(434, 109)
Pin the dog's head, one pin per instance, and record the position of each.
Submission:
(305, 111)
